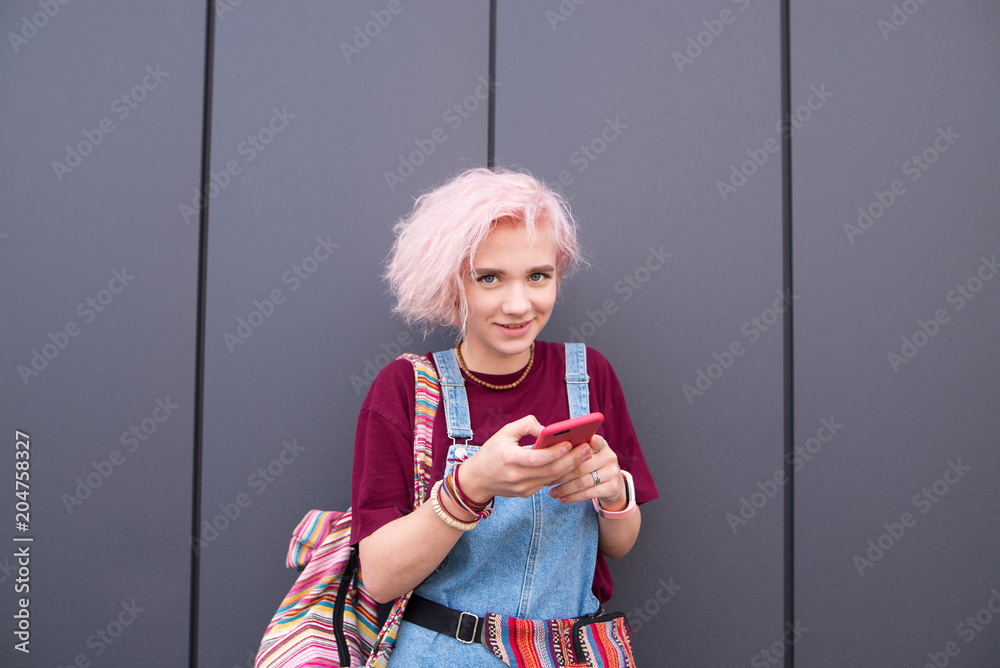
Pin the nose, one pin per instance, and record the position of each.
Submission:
(516, 300)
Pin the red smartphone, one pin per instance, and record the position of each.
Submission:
(575, 430)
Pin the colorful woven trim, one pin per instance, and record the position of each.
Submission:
(530, 643)
(301, 631)
(428, 394)
(589, 642)
(605, 643)
(310, 533)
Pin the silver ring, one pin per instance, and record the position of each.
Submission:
(597, 478)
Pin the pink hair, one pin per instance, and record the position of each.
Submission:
(435, 244)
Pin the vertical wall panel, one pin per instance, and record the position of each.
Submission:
(98, 296)
(298, 316)
(612, 102)
(896, 529)
(661, 123)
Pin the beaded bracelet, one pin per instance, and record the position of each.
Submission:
(445, 515)
(454, 490)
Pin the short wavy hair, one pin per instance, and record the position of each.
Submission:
(435, 244)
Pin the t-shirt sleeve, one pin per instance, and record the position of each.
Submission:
(608, 396)
(382, 477)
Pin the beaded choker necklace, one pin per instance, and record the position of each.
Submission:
(508, 386)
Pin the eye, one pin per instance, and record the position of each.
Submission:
(538, 276)
(487, 279)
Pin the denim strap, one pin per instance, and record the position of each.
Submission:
(456, 402)
(577, 380)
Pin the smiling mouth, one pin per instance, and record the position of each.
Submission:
(518, 325)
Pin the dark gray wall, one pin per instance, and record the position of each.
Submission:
(907, 413)
(99, 276)
(639, 123)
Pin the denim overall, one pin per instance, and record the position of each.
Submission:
(532, 558)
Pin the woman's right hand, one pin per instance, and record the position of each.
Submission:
(501, 467)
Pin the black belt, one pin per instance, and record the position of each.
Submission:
(463, 626)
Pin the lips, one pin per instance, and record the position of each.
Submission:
(515, 328)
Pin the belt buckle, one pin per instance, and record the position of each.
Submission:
(458, 630)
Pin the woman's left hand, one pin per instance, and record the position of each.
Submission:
(597, 478)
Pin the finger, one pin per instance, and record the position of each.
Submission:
(597, 443)
(579, 488)
(610, 490)
(597, 460)
(571, 465)
(526, 426)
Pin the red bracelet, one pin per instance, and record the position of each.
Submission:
(480, 510)
(443, 488)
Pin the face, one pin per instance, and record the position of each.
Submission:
(510, 294)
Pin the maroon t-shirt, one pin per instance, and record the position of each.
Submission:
(382, 480)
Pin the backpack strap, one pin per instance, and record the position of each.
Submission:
(456, 402)
(577, 380)
(428, 394)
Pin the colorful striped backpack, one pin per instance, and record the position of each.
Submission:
(328, 619)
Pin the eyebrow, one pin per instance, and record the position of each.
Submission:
(486, 271)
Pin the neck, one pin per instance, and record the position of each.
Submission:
(479, 361)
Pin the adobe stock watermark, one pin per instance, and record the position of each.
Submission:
(898, 17)
(223, 7)
(915, 167)
(752, 329)
(697, 44)
(101, 640)
(30, 25)
(131, 439)
(89, 309)
(958, 296)
(786, 126)
(259, 481)
(364, 34)
(564, 10)
(925, 500)
(768, 489)
(968, 629)
(251, 654)
(587, 153)
(8, 567)
(775, 654)
(263, 309)
(249, 149)
(643, 614)
(372, 365)
(627, 286)
(454, 117)
(122, 107)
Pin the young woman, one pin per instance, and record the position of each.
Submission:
(515, 531)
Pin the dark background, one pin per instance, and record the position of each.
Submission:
(639, 111)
